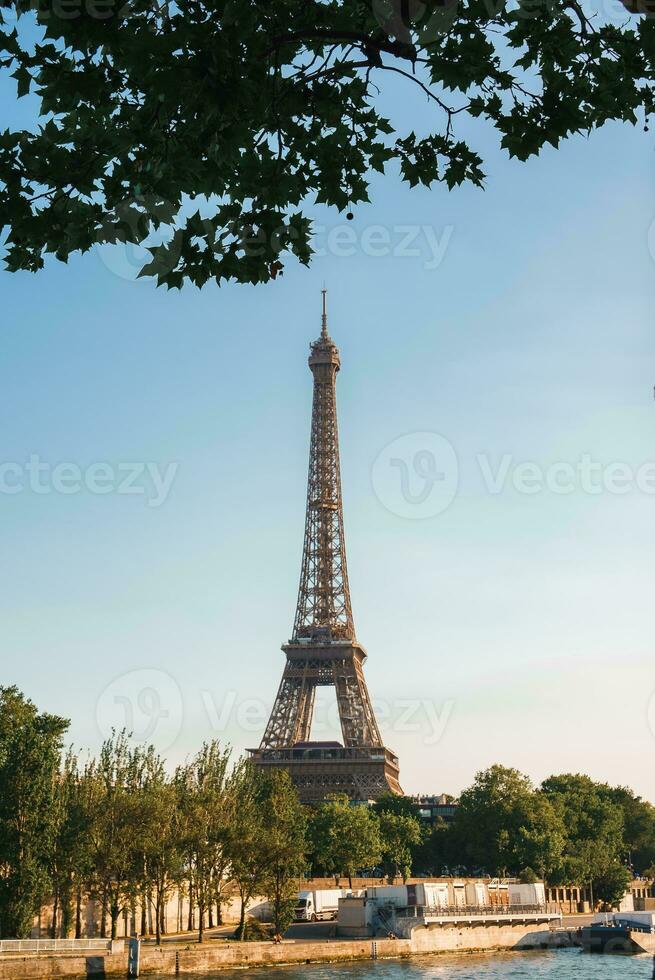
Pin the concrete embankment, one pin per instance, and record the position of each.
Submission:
(206, 959)
(215, 956)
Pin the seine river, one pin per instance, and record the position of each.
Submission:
(562, 965)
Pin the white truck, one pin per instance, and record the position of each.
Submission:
(322, 903)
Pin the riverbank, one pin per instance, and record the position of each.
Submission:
(218, 955)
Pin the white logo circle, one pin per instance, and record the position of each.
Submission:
(651, 239)
(415, 20)
(137, 221)
(147, 703)
(124, 259)
(651, 714)
(416, 476)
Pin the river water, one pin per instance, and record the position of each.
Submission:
(561, 965)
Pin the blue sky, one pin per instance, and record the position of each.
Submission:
(508, 626)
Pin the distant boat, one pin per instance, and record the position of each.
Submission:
(620, 933)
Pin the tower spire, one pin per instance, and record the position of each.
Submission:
(324, 597)
(324, 329)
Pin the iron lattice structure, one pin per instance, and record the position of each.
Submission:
(323, 650)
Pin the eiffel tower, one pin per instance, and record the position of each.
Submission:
(323, 650)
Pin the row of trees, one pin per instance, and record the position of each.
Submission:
(119, 827)
(569, 831)
(123, 829)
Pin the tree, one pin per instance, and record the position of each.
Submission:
(30, 752)
(81, 817)
(612, 883)
(593, 825)
(115, 785)
(436, 854)
(401, 833)
(207, 807)
(402, 806)
(70, 858)
(218, 124)
(399, 836)
(345, 838)
(161, 833)
(503, 826)
(638, 828)
(285, 843)
(248, 843)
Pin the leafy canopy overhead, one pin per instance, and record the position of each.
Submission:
(218, 124)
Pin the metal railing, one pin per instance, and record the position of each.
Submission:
(468, 911)
(633, 925)
(314, 754)
(57, 945)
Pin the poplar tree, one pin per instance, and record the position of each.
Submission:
(161, 836)
(284, 841)
(247, 843)
(70, 852)
(115, 784)
(206, 809)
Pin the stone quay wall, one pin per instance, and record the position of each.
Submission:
(214, 956)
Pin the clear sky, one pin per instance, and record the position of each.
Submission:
(512, 623)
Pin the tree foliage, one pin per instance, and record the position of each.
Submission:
(122, 829)
(249, 844)
(161, 824)
(597, 847)
(503, 825)
(344, 838)
(571, 831)
(639, 828)
(206, 805)
(70, 855)
(285, 842)
(30, 753)
(399, 836)
(118, 829)
(217, 126)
